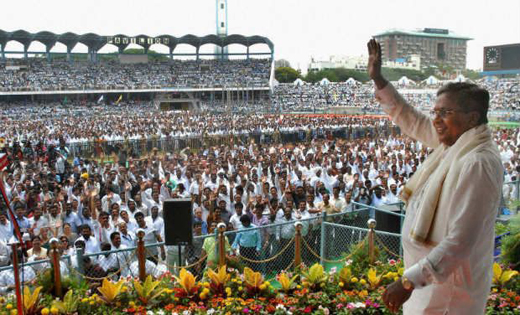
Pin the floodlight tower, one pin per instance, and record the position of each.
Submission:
(222, 28)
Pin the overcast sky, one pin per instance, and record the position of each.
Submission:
(300, 29)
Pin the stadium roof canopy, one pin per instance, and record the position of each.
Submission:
(427, 32)
(95, 42)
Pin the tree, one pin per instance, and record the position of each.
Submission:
(286, 74)
(336, 75)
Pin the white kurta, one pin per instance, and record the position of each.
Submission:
(454, 275)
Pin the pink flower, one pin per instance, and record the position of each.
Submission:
(392, 262)
(245, 310)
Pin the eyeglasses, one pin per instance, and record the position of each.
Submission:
(444, 112)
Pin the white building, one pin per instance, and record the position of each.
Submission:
(359, 63)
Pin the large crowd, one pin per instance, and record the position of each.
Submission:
(98, 206)
(272, 168)
(306, 97)
(40, 75)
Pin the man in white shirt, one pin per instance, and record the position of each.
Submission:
(37, 222)
(6, 229)
(128, 238)
(91, 244)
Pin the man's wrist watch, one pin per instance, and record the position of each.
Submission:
(407, 284)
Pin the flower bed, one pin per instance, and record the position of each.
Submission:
(352, 289)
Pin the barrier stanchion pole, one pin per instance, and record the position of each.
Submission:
(56, 265)
(221, 244)
(298, 245)
(18, 290)
(323, 236)
(79, 261)
(141, 256)
(517, 185)
(371, 239)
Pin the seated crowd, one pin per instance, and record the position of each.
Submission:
(40, 75)
(317, 97)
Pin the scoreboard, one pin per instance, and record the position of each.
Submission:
(503, 57)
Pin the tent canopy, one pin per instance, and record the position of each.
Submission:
(431, 80)
(298, 82)
(324, 81)
(405, 81)
(351, 81)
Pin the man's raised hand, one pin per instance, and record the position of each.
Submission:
(374, 64)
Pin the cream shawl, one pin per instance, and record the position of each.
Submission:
(432, 174)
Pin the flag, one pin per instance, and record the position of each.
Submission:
(3, 164)
(101, 98)
(3, 161)
(119, 99)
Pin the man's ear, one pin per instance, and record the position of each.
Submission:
(474, 117)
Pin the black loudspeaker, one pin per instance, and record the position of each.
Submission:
(178, 221)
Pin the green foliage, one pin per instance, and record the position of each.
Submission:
(336, 75)
(395, 74)
(69, 305)
(286, 74)
(471, 74)
(510, 247)
(46, 281)
(500, 228)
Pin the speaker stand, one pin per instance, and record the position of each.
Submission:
(180, 254)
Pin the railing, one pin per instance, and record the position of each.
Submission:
(141, 147)
(329, 239)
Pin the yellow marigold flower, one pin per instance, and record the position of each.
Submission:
(54, 310)
(202, 296)
(354, 280)
(240, 288)
(84, 300)
(298, 287)
(92, 303)
(262, 287)
(341, 284)
(396, 278)
(45, 311)
(363, 281)
(124, 289)
(14, 312)
(239, 282)
(206, 284)
(131, 303)
(267, 283)
(9, 306)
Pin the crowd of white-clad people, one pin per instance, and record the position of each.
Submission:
(505, 95)
(40, 75)
(306, 165)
